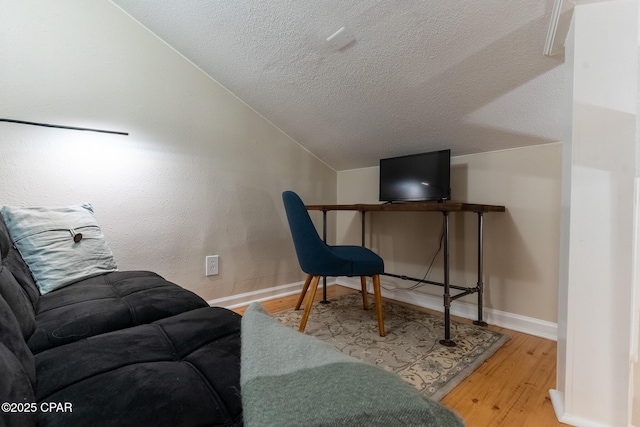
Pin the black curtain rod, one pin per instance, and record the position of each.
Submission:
(22, 122)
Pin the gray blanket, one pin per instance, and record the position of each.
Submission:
(291, 379)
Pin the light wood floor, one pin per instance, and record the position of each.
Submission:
(509, 389)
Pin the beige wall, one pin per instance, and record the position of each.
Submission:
(200, 174)
(521, 245)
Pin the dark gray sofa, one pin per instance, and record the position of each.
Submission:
(128, 348)
(122, 348)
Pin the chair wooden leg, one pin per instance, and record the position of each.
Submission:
(363, 283)
(378, 298)
(304, 291)
(309, 303)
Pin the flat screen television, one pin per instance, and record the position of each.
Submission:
(417, 177)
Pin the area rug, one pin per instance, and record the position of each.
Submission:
(411, 348)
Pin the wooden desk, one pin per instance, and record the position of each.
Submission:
(445, 208)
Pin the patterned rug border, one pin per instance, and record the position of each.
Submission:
(414, 363)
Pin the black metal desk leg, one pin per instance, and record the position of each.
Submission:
(362, 220)
(364, 285)
(480, 288)
(324, 238)
(447, 296)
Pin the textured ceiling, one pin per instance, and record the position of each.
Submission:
(421, 75)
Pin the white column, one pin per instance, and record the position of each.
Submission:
(598, 210)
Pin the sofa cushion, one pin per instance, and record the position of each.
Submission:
(60, 245)
(18, 301)
(22, 274)
(16, 283)
(12, 339)
(5, 240)
(183, 370)
(15, 388)
(107, 303)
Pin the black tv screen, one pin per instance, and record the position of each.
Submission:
(418, 177)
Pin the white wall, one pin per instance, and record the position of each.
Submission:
(635, 392)
(597, 245)
(521, 245)
(200, 174)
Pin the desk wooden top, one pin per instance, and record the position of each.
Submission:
(430, 206)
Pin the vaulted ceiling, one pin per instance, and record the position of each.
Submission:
(420, 75)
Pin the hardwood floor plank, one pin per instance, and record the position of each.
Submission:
(510, 389)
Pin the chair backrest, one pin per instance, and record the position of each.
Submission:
(313, 255)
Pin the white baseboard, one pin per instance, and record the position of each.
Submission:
(515, 322)
(557, 399)
(247, 298)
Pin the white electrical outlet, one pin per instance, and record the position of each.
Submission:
(211, 265)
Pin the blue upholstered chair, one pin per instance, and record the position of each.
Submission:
(318, 259)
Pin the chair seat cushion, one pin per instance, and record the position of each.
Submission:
(107, 303)
(182, 370)
(363, 262)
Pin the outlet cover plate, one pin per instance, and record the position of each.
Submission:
(211, 265)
